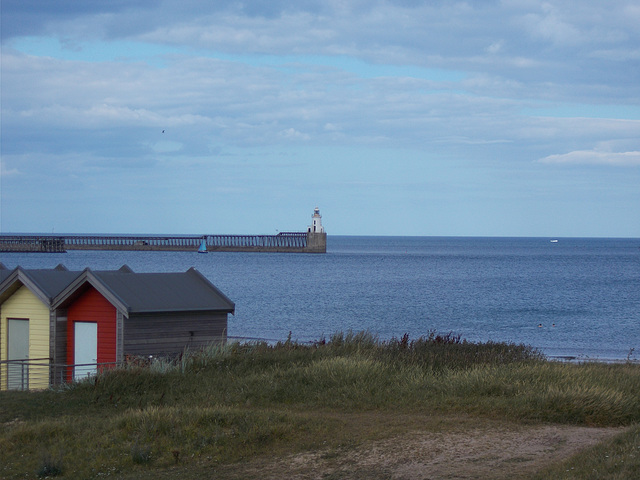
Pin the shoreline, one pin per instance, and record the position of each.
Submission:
(583, 359)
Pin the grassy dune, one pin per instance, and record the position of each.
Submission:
(226, 405)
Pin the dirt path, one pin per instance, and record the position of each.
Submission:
(488, 452)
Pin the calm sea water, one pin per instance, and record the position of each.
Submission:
(577, 297)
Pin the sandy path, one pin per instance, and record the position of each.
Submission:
(491, 452)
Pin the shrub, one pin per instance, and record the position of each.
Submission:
(140, 454)
(51, 465)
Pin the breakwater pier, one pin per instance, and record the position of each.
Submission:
(302, 242)
(314, 240)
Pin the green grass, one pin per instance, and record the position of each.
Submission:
(223, 405)
(616, 459)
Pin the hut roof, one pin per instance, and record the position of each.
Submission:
(46, 284)
(150, 292)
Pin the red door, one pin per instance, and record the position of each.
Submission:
(91, 306)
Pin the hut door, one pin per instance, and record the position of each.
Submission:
(85, 349)
(18, 350)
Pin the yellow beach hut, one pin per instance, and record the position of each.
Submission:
(28, 325)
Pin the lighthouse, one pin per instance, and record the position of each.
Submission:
(316, 236)
(316, 222)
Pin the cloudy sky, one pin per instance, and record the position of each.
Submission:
(395, 117)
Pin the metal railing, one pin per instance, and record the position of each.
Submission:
(24, 374)
(282, 240)
(62, 243)
(40, 373)
(83, 241)
(31, 243)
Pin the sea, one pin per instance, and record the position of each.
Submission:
(570, 298)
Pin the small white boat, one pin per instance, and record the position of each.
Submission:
(554, 241)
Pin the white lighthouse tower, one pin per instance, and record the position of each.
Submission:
(316, 236)
(316, 222)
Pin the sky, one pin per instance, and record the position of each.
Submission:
(394, 117)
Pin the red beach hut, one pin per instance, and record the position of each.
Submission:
(115, 314)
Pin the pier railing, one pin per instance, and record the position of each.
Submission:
(31, 243)
(283, 242)
(114, 242)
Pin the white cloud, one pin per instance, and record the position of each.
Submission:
(549, 25)
(167, 147)
(487, 37)
(7, 172)
(293, 134)
(495, 47)
(594, 157)
(618, 55)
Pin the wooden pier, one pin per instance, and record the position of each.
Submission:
(284, 242)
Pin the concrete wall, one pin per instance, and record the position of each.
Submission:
(316, 242)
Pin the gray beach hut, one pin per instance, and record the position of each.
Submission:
(141, 314)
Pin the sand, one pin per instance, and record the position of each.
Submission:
(491, 452)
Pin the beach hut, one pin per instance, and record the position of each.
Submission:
(28, 325)
(115, 314)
